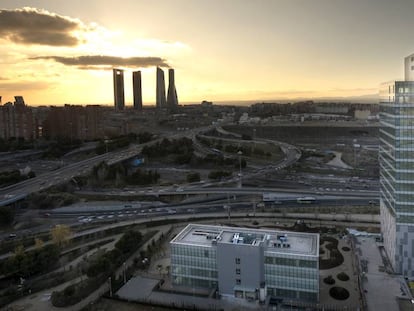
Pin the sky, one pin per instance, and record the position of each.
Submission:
(56, 52)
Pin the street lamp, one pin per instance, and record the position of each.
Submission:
(227, 208)
(123, 265)
(110, 287)
(240, 153)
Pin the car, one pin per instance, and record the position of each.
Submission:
(12, 235)
(179, 190)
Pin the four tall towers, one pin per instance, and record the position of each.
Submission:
(170, 102)
(160, 89)
(119, 99)
(137, 89)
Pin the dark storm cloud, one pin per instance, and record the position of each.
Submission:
(93, 62)
(33, 26)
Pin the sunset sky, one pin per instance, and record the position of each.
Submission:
(56, 52)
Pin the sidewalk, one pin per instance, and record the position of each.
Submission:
(381, 289)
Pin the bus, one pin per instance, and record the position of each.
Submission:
(270, 197)
(306, 200)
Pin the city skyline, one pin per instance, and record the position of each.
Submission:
(238, 50)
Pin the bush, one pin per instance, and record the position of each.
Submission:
(76, 292)
(30, 263)
(339, 293)
(343, 276)
(6, 215)
(329, 280)
(218, 174)
(193, 177)
(129, 241)
(335, 257)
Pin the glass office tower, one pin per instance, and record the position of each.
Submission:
(396, 156)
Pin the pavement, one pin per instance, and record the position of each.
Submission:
(381, 289)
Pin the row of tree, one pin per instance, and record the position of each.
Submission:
(99, 270)
(12, 177)
(106, 145)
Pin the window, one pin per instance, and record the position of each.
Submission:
(238, 281)
(237, 261)
(237, 271)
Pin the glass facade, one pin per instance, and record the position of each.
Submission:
(292, 277)
(194, 265)
(396, 155)
(220, 258)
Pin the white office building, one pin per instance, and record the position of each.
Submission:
(247, 263)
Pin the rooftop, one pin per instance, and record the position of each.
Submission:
(273, 241)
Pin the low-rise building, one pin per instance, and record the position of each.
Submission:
(247, 263)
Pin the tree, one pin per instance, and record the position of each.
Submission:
(193, 177)
(128, 241)
(61, 234)
(6, 215)
(38, 243)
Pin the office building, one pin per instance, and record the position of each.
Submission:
(172, 100)
(160, 89)
(247, 263)
(119, 97)
(397, 170)
(137, 89)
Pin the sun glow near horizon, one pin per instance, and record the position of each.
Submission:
(242, 51)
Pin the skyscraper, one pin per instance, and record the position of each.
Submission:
(172, 100)
(160, 100)
(397, 170)
(119, 98)
(137, 89)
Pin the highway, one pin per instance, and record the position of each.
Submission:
(22, 189)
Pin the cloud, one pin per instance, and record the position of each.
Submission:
(35, 26)
(24, 86)
(101, 62)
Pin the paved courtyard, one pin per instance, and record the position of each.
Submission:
(381, 289)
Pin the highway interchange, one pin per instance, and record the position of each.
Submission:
(327, 190)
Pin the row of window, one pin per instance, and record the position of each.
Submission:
(194, 251)
(405, 219)
(190, 271)
(291, 272)
(185, 281)
(402, 134)
(292, 294)
(209, 263)
(390, 164)
(402, 125)
(397, 111)
(291, 262)
(287, 282)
